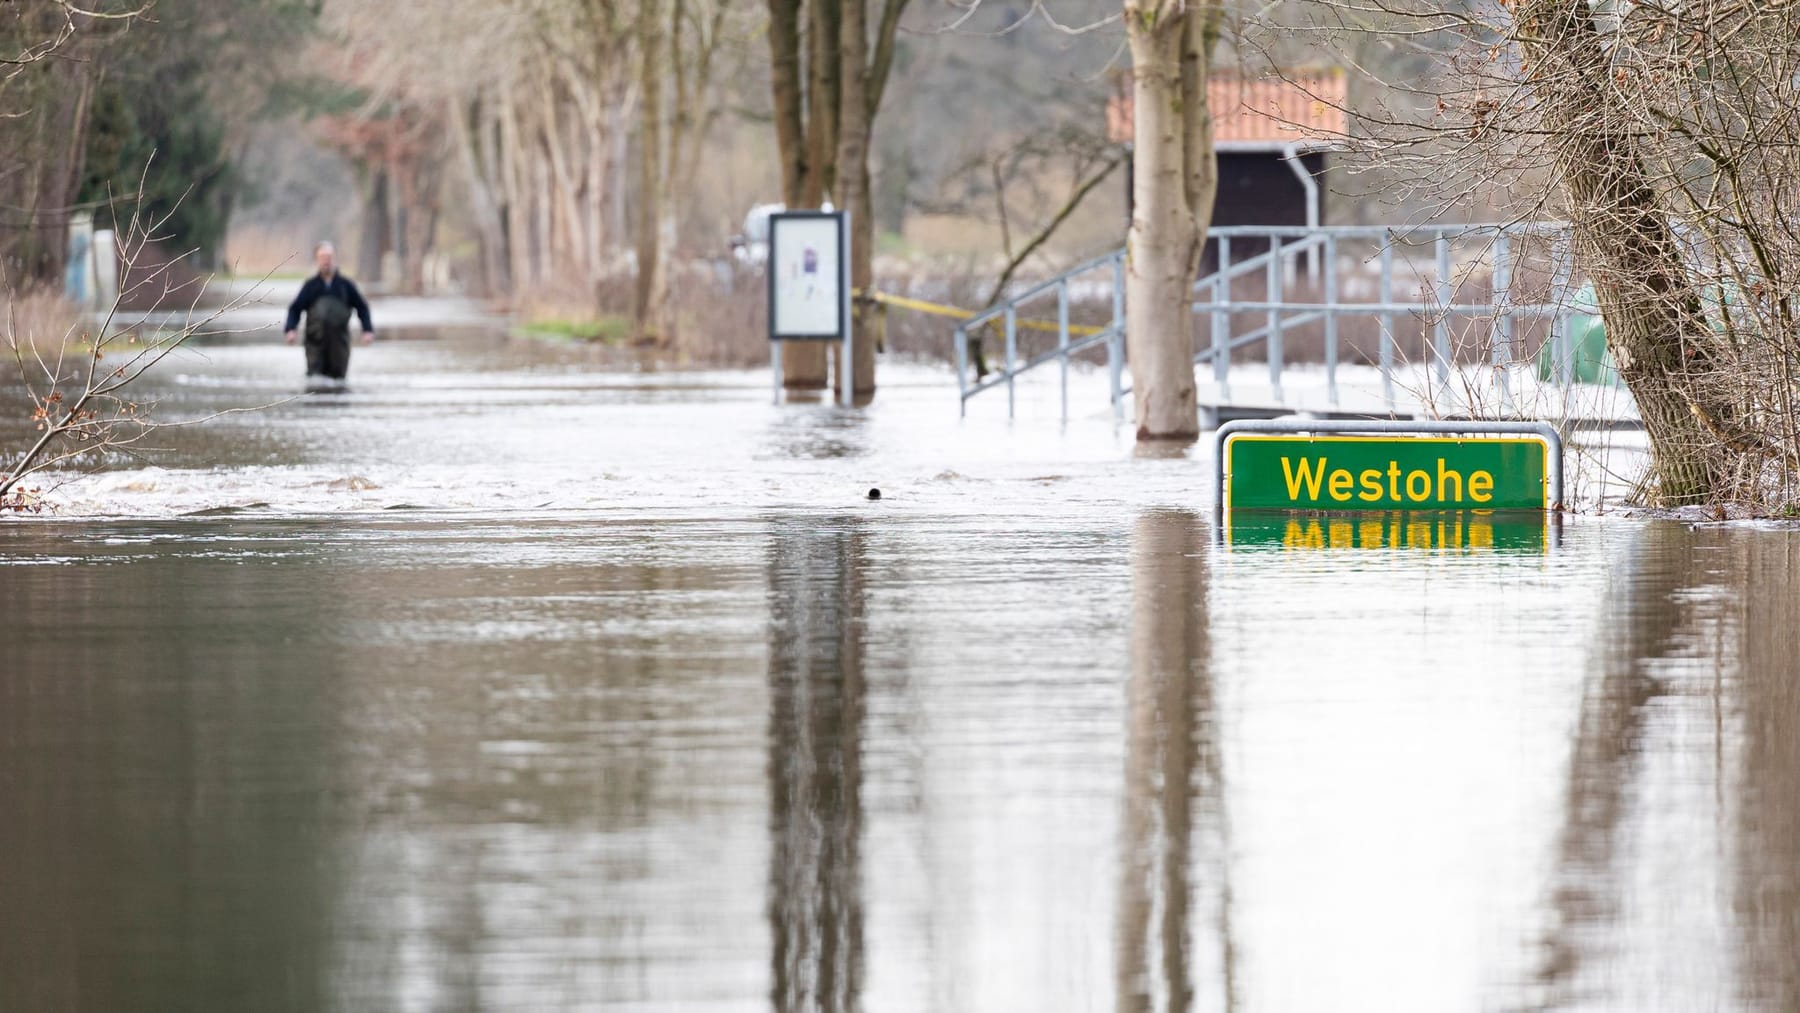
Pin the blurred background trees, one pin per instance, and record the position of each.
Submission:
(537, 151)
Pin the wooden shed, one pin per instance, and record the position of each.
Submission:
(1272, 135)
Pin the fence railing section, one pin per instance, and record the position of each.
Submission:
(1442, 299)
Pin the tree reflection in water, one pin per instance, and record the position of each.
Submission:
(816, 712)
(1172, 767)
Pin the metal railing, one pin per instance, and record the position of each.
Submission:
(1438, 262)
(1108, 273)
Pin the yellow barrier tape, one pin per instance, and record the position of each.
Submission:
(958, 313)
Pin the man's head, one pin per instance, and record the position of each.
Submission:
(325, 255)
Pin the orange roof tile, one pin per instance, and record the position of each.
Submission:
(1262, 111)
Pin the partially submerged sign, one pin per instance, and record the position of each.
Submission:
(1362, 466)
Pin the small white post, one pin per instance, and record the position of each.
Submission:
(847, 380)
(775, 364)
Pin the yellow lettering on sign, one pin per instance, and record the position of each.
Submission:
(1308, 476)
(1340, 485)
(1481, 487)
(1446, 475)
(1419, 491)
(1371, 486)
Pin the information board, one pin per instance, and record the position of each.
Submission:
(808, 272)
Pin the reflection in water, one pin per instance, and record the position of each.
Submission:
(1643, 623)
(161, 808)
(816, 710)
(1172, 760)
(1446, 531)
(1768, 845)
(1699, 636)
(811, 434)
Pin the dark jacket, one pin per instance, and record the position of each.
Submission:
(341, 287)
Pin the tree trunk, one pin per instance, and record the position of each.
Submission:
(784, 84)
(822, 102)
(803, 363)
(647, 307)
(853, 183)
(1656, 329)
(1173, 183)
(488, 231)
(518, 221)
(372, 249)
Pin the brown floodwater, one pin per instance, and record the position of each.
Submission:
(506, 680)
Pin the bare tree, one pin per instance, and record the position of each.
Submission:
(1666, 135)
(1175, 177)
(824, 133)
(80, 389)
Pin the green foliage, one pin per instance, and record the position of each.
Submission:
(173, 99)
(610, 328)
(169, 140)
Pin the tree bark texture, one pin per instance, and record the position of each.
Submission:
(1173, 185)
(853, 185)
(647, 307)
(803, 363)
(1658, 333)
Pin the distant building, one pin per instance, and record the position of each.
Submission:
(1272, 135)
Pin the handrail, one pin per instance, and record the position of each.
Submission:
(1040, 288)
(1422, 248)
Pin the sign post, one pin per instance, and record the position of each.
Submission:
(809, 287)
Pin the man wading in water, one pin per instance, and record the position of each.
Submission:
(327, 299)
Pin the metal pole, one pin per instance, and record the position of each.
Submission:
(1221, 319)
(1562, 355)
(1273, 296)
(1115, 364)
(1387, 319)
(847, 378)
(1062, 340)
(1503, 352)
(1331, 320)
(1115, 347)
(1291, 155)
(775, 364)
(962, 372)
(1441, 331)
(1012, 353)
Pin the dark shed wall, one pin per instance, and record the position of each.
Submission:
(1259, 188)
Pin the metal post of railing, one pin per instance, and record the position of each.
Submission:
(1273, 296)
(1062, 340)
(1331, 320)
(1221, 320)
(1119, 292)
(1115, 367)
(1560, 353)
(1504, 355)
(1012, 356)
(775, 368)
(1387, 319)
(962, 371)
(1441, 331)
(1115, 347)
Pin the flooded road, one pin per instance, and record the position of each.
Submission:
(510, 680)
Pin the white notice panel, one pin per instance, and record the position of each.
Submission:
(806, 297)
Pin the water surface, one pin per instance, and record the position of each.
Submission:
(507, 680)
